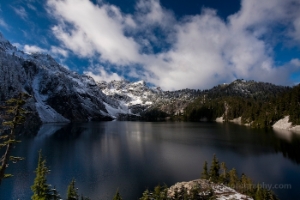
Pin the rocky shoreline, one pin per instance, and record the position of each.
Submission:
(219, 191)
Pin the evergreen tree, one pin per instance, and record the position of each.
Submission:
(146, 195)
(214, 170)
(194, 193)
(41, 190)
(84, 198)
(233, 178)
(72, 191)
(16, 113)
(260, 193)
(245, 185)
(223, 176)
(117, 196)
(204, 174)
(55, 195)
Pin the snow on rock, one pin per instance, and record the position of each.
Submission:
(286, 125)
(47, 113)
(236, 120)
(283, 123)
(114, 112)
(220, 119)
(220, 191)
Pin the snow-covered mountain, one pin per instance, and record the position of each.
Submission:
(57, 94)
(139, 97)
(60, 95)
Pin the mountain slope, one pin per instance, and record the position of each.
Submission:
(255, 104)
(58, 95)
(139, 98)
(246, 89)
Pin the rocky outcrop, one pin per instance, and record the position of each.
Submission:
(207, 188)
(284, 124)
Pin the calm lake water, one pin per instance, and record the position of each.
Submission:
(134, 156)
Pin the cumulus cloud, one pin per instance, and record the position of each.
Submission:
(33, 49)
(93, 29)
(98, 73)
(151, 13)
(202, 50)
(54, 50)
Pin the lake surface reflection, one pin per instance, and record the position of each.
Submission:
(134, 156)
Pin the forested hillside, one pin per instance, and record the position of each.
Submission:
(259, 111)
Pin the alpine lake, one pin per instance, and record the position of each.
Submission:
(131, 157)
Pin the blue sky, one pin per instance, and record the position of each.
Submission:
(172, 44)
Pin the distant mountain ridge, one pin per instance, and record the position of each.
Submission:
(138, 97)
(247, 89)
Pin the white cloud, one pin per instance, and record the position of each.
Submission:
(203, 51)
(295, 31)
(18, 45)
(33, 49)
(295, 63)
(59, 51)
(94, 30)
(150, 12)
(54, 51)
(98, 73)
(21, 12)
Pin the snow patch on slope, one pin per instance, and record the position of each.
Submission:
(46, 113)
(114, 112)
(220, 191)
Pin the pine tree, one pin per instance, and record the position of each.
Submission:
(204, 174)
(84, 198)
(214, 169)
(72, 191)
(157, 191)
(15, 111)
(233, 178)
(146, 195)
(223, 176)
(194, 193)
(55, 195)
(245, 185)
(41, 190)
(117, 196)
